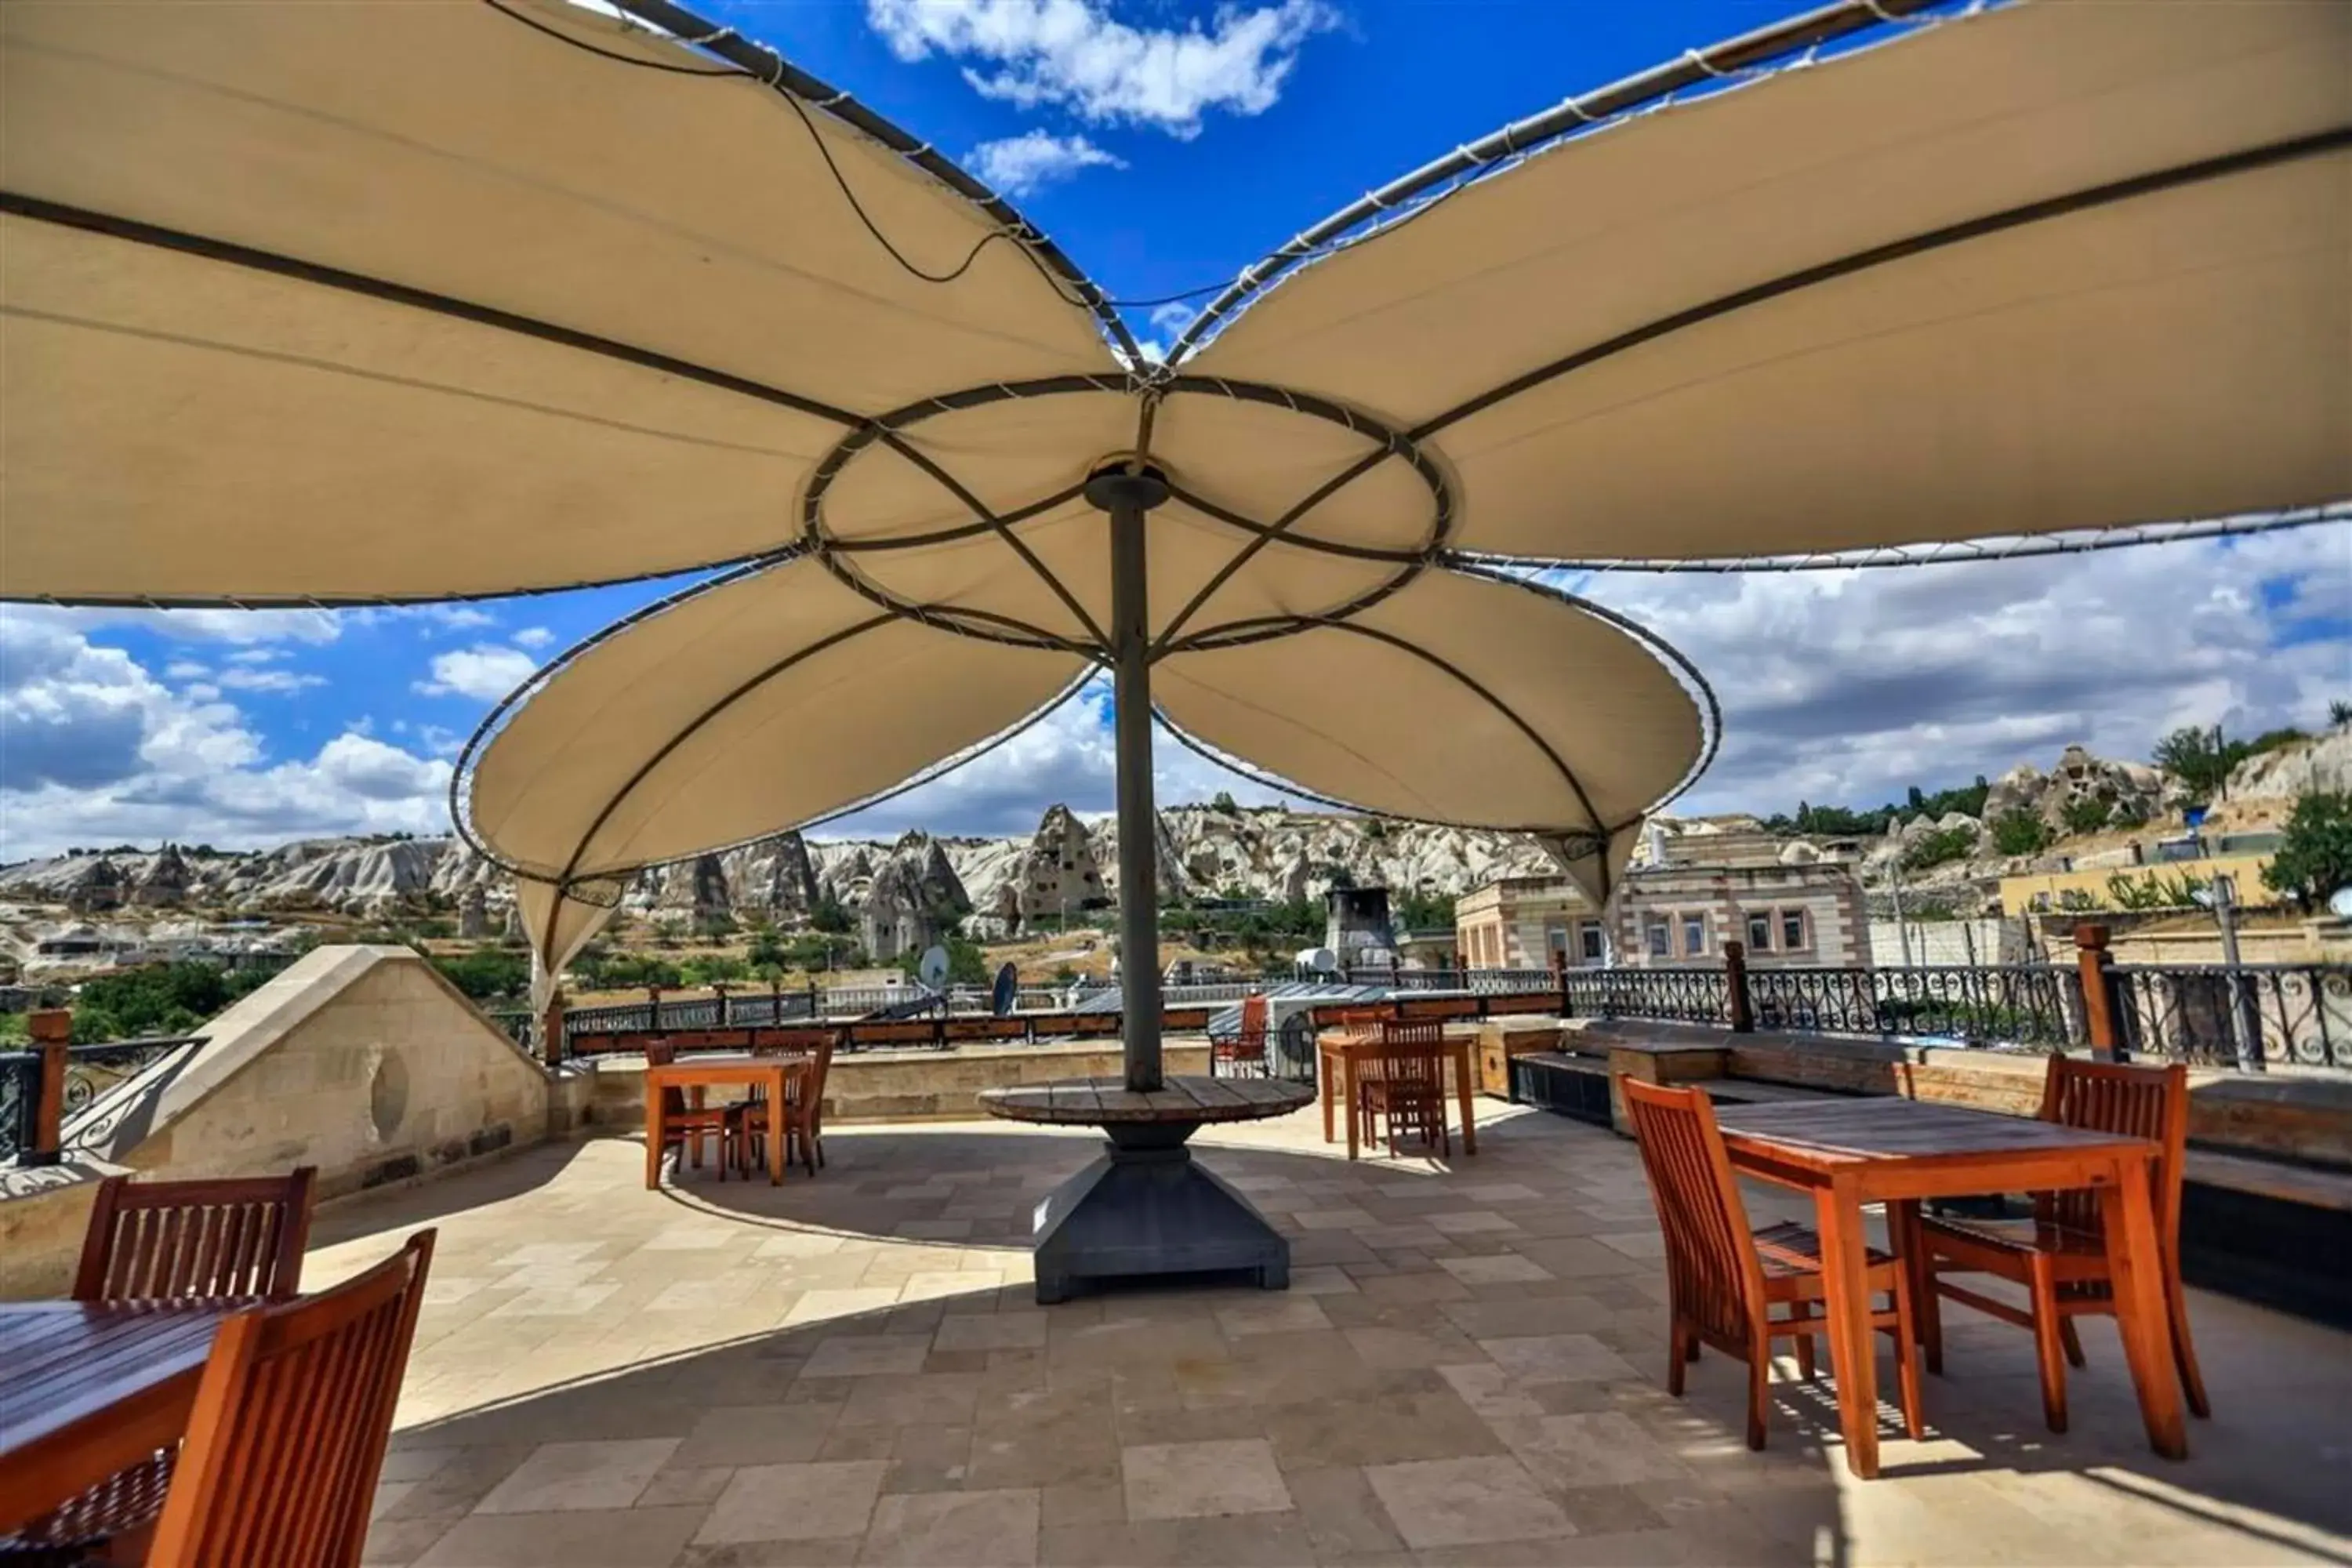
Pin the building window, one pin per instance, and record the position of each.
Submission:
(1693, 936)
(1792, 931)
(1556, 940)
(1594, 947)
(1759, 933)
(1660, 936)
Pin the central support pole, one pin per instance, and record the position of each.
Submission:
(1126, 491)
(1139, 862)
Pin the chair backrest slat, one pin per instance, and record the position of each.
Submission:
(287, 1437)
(2129, 1099)
(202, 1240)
(1711, 1261)
(1252, 1030)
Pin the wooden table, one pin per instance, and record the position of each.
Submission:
(775, 1072)
(1898, 1151)
(86, 1391)
(1335, 1073)
(1107, 1101)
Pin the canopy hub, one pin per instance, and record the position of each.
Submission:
(1125, 483)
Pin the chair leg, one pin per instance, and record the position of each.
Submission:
(1930, 1307)
(1760, 1378)
(2070, 1341)
(1906, 1355)
(1680, 1343)
(2184, 1351)
(1801, 1312)
(2043, 1286)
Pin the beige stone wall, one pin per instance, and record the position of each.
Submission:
(912, 1086)
(362, 1061)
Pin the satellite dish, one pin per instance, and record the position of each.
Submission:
(1318, 961)
(1000, 994)
(2339, 904)
(933, 968)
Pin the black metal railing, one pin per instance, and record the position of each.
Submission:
(2010, 1004)
(1683, 994)
(2266, 1015)
(91, 1071)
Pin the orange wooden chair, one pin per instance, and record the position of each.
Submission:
(1723, 1279)
(287, 1438)
(238, 1240)
(2060, 1255)
(1405, 1083)
(685, 1125)
(1243, 1051)
(748, 1120)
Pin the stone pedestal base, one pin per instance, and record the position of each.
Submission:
(1145, 1208)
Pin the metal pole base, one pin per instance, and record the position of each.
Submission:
(1145, 1209)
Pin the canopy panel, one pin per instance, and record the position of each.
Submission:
(1463, 700)
(1806, 314)
(759, 704)
(452, 150)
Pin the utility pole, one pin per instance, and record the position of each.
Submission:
(2244, 1035)
(1902, 932)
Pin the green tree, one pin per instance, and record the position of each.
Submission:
(2339, 715)
(767, 948)
(1938, 846)
(157, 999)
(829, 916)
(2314, 856)
(2199, 759)
(967, 964)
(488, 974)
(2020, 832)
(1223, 801)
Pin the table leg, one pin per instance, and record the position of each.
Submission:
(1326, 1083)
(777, 1106)
(1910, 1248)
(653, 1134)
(1837, 1210)
(1462, 1088)
(2137, 1269)
(1348, 1097)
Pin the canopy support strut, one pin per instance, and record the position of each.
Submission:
(1126, 491)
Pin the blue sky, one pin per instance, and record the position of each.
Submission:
(1165, 146)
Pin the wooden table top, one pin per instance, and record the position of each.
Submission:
(1891, 1128)
(735, 1069)
(1092, 1101)
(62, 1362)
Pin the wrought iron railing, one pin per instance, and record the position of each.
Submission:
(2012, 1003)
(92, 1072)
(1685, 994)
(2272, 1014)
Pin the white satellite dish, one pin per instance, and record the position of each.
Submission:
(931, 969)
(2339, 904)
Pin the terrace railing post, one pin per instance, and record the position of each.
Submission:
(1740, 1006)
(51, 1032)
(550, 1032)
(653, 1013)
(719, 989)
(2101, 1027)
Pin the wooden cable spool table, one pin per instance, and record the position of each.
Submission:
(1145, 1207)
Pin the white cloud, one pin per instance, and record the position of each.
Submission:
(185, 669)
(533, 637)
(1020, 164)
(483, 671)
(1846, 687)
(1074, 53)
(275, 682)
(99, 751)
(239, 627)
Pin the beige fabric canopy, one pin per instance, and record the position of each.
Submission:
(316, 301)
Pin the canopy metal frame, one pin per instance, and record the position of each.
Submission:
(1127, 645)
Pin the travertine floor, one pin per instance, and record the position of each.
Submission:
(1466, 1369)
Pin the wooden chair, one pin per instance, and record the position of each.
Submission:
(750, 1121)
(1404, 1082)
(2060, 1255)
(287, 1438)
(685, 1124)
(1242, 1053)
(211, 1241)
(153, 1242)
(1723, 1279)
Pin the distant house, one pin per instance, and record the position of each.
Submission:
(1698, 892)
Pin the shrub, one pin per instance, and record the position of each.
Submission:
(157, 999)
(2020, 833)
(488, 974)
(1939, 846)
(2086, 815)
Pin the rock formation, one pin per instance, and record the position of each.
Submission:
(164, 883)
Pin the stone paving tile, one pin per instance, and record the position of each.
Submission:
(726, 1377)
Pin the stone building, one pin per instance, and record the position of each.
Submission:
(1678, 909)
